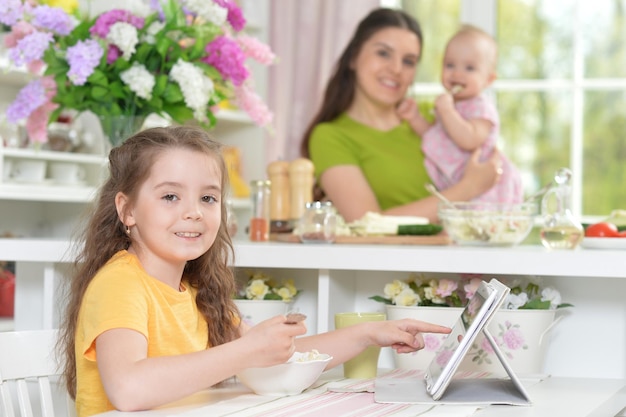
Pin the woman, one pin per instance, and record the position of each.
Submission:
(366, 157)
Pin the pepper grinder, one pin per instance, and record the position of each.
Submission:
(280, 204)
(301, 186)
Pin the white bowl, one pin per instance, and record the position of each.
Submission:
(289, 378)
(487, 224)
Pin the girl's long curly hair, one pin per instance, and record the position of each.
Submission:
(104, 235)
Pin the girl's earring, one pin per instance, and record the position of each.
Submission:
(128, 230)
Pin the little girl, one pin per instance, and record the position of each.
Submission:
(466, 120)
(150, 318)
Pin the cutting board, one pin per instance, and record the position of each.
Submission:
(439, 239)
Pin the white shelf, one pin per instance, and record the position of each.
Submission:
(47, 193)
(54, 156)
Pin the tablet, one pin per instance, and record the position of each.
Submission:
(474, 318)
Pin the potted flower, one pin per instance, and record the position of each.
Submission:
(262, 297)
(521, 327)
(178, 59)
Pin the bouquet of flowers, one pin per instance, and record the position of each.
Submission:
(176, 58)
(418, 290)
(261, 286)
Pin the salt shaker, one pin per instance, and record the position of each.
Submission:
(280, 204)
(318, 223)
(301, 186)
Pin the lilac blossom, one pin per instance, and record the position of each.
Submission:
(227, 57)
(256, 50)
(53, 18)
(104, 22)
(235, 16)
(30, 48)
(207, 10)
(11, 11)
(83, 58)
(252, 104)
(28, 99)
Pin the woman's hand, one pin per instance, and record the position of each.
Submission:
(271, 341)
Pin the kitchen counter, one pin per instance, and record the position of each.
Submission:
(590, 340)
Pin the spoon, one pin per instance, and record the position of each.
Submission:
(294, 317)
(431, 189)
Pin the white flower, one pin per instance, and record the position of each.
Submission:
(139, 80)
(515, 301)
(152, 30)
(285, 293)
(138, 8)
(256, 290)
(407, 297)
(124, 36)
(552, 295)
(195, 86)
(208, 11)
(394, 288)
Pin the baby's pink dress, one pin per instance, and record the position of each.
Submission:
(445, 161)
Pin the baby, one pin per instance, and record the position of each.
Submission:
(465, 118)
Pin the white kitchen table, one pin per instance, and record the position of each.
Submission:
(551, 396)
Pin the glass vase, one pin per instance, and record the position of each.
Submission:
(117, 129)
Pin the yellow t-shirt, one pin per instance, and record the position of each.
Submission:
(123, 295)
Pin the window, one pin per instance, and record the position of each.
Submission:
(561, 88)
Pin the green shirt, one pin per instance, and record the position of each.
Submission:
(391, 161)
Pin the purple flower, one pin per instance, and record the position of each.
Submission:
(30, 48)
(106, 20)
(83, 58)
(54, 19)
(235, 16)
(10, 11)
(228, 58)
(113, 53)
(28, 99)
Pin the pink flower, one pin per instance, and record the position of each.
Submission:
(471, 287)
(486, 346)
(251, 103)
(513, 338)
(104, 22)
(37, 121)
(431, 342)
(227, 57)
(255, 49)
(446, 287)
(443, 358)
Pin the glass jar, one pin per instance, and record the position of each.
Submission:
(260, 220)
(561, 230)
(318, 223)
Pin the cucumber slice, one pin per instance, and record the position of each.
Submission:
(419, 229)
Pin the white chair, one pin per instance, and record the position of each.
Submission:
(28, 356)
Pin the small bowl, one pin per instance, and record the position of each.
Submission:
(487, 224)
(289, 378)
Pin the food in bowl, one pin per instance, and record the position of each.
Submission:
(289, 378)
(487, 224)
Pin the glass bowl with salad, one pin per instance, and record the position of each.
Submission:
(487, 224)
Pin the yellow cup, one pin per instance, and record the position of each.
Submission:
(365, 364)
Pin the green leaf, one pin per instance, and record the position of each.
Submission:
(172, 93)
(180, 113)
(536, 304)
(99, 93)
(380, 299)
(272, 296)
(160, 84)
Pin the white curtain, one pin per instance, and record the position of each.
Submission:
(307, 36)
